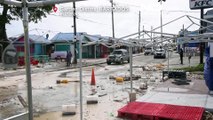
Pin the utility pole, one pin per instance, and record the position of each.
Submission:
(161, 23)
(151, 33)
(112, 10)
(143, 30)
(139, 25)
(143, 37)
(181, 47)
(202, 44)
(75, 33)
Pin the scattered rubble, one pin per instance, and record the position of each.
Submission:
(69, 109)
(207, 116)
(143, 85)
(92, 99)
(143, 76)
(23, 102)
(124, 78)
(50, 87)
(117, 100)
(102, 94)
(151, 67)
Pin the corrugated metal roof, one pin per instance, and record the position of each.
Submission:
(93, 37)
(39, 39)
(97, 37)
(67, 37)
(34, 39)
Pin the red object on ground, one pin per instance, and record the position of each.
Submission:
(155, 111)
(34, 62)
(21, 61)
(93, 77)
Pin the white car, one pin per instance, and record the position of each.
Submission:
(160, 53)
(148, 51)
(59, 55)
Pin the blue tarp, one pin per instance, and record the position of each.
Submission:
(208, 69)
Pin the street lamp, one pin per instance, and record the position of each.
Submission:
(161, 20)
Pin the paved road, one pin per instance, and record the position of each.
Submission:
(49, 96)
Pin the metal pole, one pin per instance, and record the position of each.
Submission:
(35, 3)
(95, 51)
(143, 30)
(75, 33)
(152, 38)
(27, 59)
(161, 24)
(168, 58)
(202, 44)
(41, 3)
(151, 33)
(139, 25)
(130, 56)
(156, 27)
(9, 2)
(113, 29)
(81, 82)
(143, 38)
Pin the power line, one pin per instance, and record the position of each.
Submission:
(183, 11)
(92, 21)
(84, 19)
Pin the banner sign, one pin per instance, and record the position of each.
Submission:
(197, 4)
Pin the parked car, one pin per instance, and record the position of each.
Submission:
(148, 51)
(160, 53)
(59, 55)
(118, 56)
(170, 49)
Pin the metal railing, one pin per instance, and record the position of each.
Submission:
(22, 116)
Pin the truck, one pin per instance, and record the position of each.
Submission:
(118, 56)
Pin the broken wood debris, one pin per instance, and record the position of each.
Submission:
(23, 102)
(65, 81)
(124, 78)
(151, 67)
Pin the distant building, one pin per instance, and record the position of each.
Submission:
(208, 16)
(37, 45)
(191, 46)
(92, 47)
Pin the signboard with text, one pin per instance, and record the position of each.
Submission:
(197, 4)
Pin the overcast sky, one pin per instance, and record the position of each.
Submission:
(126, 22)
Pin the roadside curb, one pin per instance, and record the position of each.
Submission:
(15, 73)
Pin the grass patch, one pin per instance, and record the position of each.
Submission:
(199, 67)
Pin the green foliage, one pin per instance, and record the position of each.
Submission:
(9, 13)
(199, 67)
(15, 13)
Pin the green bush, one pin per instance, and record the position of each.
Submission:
(199, 67)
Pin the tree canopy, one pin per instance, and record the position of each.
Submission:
(15, 13)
